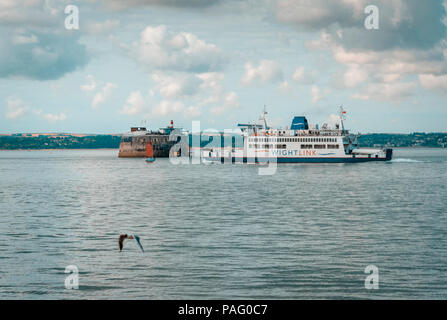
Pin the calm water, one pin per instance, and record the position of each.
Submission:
(221, 231)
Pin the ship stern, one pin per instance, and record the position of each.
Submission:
(389, 154)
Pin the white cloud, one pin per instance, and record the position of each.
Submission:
(192, 112)
(55, 117)
(394, 92)
(333, 120)
(228, 102)
(354, 76)
(101, 96)
(304, 77)
(90, 85)
(167, 107)
(386, 70)
(403, 24)
(434, 82)
(16, 108)
(211, 80)
(159, 49)
(102, 27)
(23, 39)
(285, 87)
(134, 104)
(123, 5)
(266, 72)
(176, 86)
(315, 94)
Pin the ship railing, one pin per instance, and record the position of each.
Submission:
(307, 134)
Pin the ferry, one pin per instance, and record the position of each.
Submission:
(299, 143)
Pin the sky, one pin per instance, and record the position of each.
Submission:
(145, 62)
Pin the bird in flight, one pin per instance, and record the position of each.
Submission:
(123, 237)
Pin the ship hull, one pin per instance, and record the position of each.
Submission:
(296, 160)
(135, 147)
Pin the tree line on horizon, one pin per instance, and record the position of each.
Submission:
(18, 142)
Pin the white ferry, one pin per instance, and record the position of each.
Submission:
(299, 143)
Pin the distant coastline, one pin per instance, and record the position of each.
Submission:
(55, 141)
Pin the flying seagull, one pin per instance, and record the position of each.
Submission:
(126, 236)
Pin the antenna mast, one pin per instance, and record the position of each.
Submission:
(264, 112)
(342, 117)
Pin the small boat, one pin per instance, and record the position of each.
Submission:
(149, 152)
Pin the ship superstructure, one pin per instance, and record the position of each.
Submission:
(298, 143)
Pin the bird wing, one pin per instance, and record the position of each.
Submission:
(121, 241)
(137, 239)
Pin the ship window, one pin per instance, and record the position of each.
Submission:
(332, 146)
(320, 146)
(306, 146)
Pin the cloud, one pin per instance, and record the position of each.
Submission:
(354, 76)
(315, 94)
(134, 104)
(226, 103)
(26, 13)
(211, 80)
(333, 120)
(434, 82)
(24, 39)
(214, 94)
(167, 107)
(266, 72)
(389, 70)
(159, 49)
(315, 14)
(55, 117)
(40, 56)
(91, 85)
(285, 87)
(394, 92)
(105, 27)
(122, 5)
(101, 96)
(16, 108)
(192, 112)
(304, 77)
(176, 86)
(402, 24)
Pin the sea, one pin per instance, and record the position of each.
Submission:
(374, 230)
